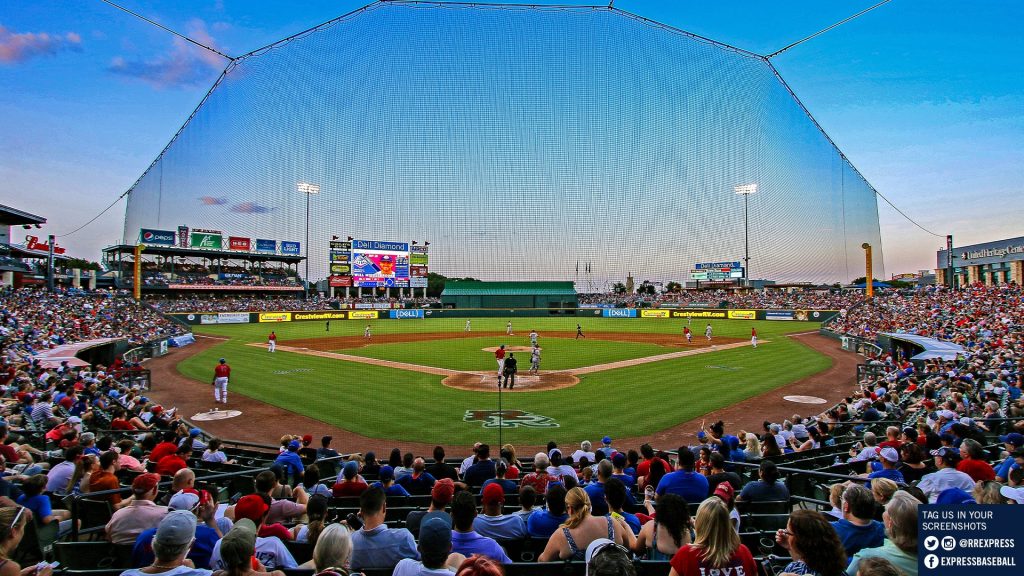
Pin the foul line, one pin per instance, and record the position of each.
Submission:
(446, 372)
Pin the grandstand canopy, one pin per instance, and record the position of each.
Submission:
(477, 294)
(14, 217)
(930, 347)
(127, 249)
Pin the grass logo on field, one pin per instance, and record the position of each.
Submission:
(511, 419)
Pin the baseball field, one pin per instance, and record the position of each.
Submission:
(428, 380)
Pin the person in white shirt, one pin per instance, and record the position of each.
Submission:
(947, 476)
(585, 451)
(557, 468)
(469, 461)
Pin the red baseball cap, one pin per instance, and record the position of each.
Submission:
(252, 507)
(493, 493)
(145, 482)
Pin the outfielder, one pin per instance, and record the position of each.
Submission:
(220, 382)
(707, 332)
(579, 332)
(272, 342)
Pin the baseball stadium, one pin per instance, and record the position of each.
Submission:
(483, 289)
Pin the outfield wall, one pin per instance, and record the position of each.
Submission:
(211, 318)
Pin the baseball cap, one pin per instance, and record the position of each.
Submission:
(966, 421)
(619, 460)
(195, 432)
(386, 473)
(553, 451)
(222, 360)
(443, 491)
(183, 501)
(606, 440)
(307, 438)
(239, 544)
(145, 482)
(252, 507)
(954, 496)
(1015, 494)
(946, 453)
(1015, 439)
(176, 528)
(294, 445)
(596, 547)
(889, 453)
(350, 469)
(435, 534)
(74, 420)
(947, 414)
(725, 491)
(493, 493)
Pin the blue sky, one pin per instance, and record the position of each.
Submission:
(922, 97)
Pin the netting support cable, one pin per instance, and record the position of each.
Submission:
(166, 29)
(94, 218)
(823, 30)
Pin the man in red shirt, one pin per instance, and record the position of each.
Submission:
(973, 463)
(753, 337)
(499, 355)
(165, 448)
(170, 464)
(272, 342)
(220, 381)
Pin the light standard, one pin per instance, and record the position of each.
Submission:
(746, 190)
(307, 189)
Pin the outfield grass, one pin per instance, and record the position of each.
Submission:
(390, 403)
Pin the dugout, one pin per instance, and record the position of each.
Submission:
(477, 294)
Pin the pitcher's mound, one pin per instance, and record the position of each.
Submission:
(216, 415)
(510, 349)
(488, 381)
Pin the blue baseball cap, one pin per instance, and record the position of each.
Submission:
(1013, 438)
(386, 473)
(294, 445)
(606, 440)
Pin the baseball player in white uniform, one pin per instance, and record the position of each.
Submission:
(469, 325)
(508, 328)
(707, 332)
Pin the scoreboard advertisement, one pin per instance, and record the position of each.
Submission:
(377, 264)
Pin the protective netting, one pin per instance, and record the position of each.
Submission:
(519, 141)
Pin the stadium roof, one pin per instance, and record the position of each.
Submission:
(933, 348)
(201, 253)
(14, 217)
(478, 288)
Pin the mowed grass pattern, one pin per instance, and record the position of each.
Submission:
(402, 405)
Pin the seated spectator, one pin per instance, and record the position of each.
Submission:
(332, 550)
(500, 470)
(478, 565)
(988, 492)
(719, 474)
(441, 469)
(582, 528)
(325, 451)
(615, 495)
(684, 482)
(857, 529)
(559, 469)
(207, 532)
(170, 464)
(465, 540)
(482, 469)
(947, 476)
(280, 510)
(440, 497)
(542, 523)
(233, 553)
(316, 518)
(140, 514)
(171, 542)
(351, 483)
(39, 503)
(213, 453)
(813, 544)
(251, 513)
(727, 495)
(889, 459)
(973, 463)
(311, 483)
(290, 461)
(375, 545)
(900, 547)
(913, 466)
(835, 498)
(58, 479)
(405, 468)
(539, 478)
(1011, 442)
(387, 482)
(492, 523)
(716, 546)
(619, 463)
(606, 558)
(435, 547)
(767, 488)
(418, 481)
(585, 451)
(663, 536)
(527, 499)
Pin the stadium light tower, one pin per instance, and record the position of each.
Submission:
(307, 189)
(746, 190)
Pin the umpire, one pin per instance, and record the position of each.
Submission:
(510, 371)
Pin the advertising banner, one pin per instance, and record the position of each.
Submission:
(405, 314)
(233, 318)
(275, 317)
(336, 245)
(619, 312)
(157, 237)
(363, 314)
(339, 281)
(182, 236)
(380, 246)
(205, 240)
(419, 259)
(418, 271)
(209, 319)
(340, 256)
(717, 265)
(655, 313)
(220, 287)
(419, 249)
(742, 315)
(341, 269)
(708, 314)
(266, 245)
(290, 248)
(325, 315)
(239, 243)
(418, 282)
(778, 315)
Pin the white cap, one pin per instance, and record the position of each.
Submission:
(1015, 494)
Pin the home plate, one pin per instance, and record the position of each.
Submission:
(805, 399)
(216, 415)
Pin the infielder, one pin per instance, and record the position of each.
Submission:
(499, 355)
(272, 342)
(508, 328)
(366, 332)
(579, 332)
(753, 337)
(533, 338)
(707, 332)
(469, 326)
(220, 382)
(535, 360)
(688, 334)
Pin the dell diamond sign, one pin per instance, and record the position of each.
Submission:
(160, 237)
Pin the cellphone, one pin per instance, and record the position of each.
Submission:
(353, 521)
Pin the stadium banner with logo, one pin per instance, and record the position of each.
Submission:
(418, 271)
(340, 256)
(291, 248)
(182, 236)
(742, 315)
(341, 270)
(720, 266)
(206, 240)
(363, 314)
(239, 243)
(405, 314)
(343, 245)
(655, 313)
(339, 281)
(418, 259)
(275, 316)
(212, 319)
(320, 315)
(618, 312)
(779, 315)
(266, 245)
(419, 249)
(223, 287)
(706, 314)
(418, 282)
(233, 318)
(158, 237)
